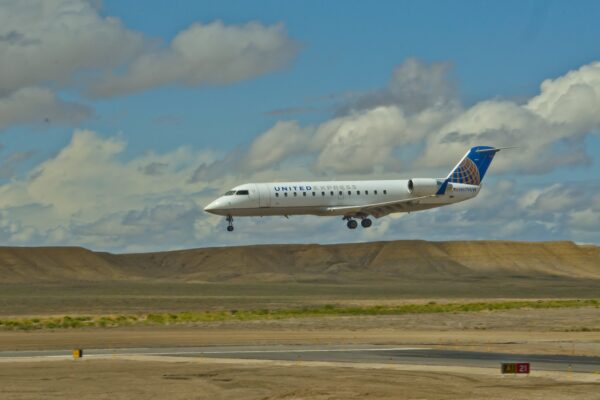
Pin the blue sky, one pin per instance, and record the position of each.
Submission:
(502, 49)
(120, 119)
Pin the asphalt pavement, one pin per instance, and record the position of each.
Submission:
(344, 354)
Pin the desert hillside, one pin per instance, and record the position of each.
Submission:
(53, 264)
(378, 261)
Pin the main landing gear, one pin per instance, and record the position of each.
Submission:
(229, 223)
(352, 224)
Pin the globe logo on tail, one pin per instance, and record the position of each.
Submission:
(467, 172)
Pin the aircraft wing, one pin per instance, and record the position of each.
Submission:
(378, 210)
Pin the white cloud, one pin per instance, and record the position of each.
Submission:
(572, 99)
(414, 87)
(44, 46)
(9, 163)
(49, 40)
(87, 195)
(51, 45)
(549, 129)
(587, 220)
(362, 141)
(419, 109)
(213, 53)
(365, 137)
(38, 105)
(554, 198)
(284, 139)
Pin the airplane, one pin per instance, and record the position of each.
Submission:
(354, 200)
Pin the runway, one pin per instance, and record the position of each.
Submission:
(340, 354)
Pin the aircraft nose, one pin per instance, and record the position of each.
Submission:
(212, 207)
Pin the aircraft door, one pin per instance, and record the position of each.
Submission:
(264, 195)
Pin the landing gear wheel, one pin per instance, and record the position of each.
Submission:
(365, 223)
(230, 228)
(352, 224)
(230, 223)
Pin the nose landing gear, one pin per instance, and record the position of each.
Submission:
(229, 220)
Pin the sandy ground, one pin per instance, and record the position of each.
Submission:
(143, 297)
(203, 379)
(551, 331)
(575, 343)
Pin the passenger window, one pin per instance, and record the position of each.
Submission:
(341, 192)
(295, 194)
(323, 193)
(366, 192)
(304, 194)
(314, 194)
(285, 194)
(375, 191)
(349, 192)
(276, 194)
(331, 193)
(358, 192)
(385, 192)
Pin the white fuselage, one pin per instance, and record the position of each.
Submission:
(332, 197)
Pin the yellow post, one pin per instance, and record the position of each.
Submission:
(77, 353)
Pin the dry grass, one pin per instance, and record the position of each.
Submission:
(329, 310)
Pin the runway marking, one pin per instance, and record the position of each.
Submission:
(235, 357)
(91, 353)
(292, 351)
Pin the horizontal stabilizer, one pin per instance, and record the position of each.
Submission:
(495, 150)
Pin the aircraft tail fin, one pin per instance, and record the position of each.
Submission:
(472, 167)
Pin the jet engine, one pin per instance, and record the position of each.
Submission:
(423, 186)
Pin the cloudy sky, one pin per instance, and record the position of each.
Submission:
(120, 120)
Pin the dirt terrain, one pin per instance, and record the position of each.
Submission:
(61, 281)
(550, 331)
(204, 379)
(76, 281)
(340, 263)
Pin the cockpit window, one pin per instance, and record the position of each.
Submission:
(229, 193)
(239, 192)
